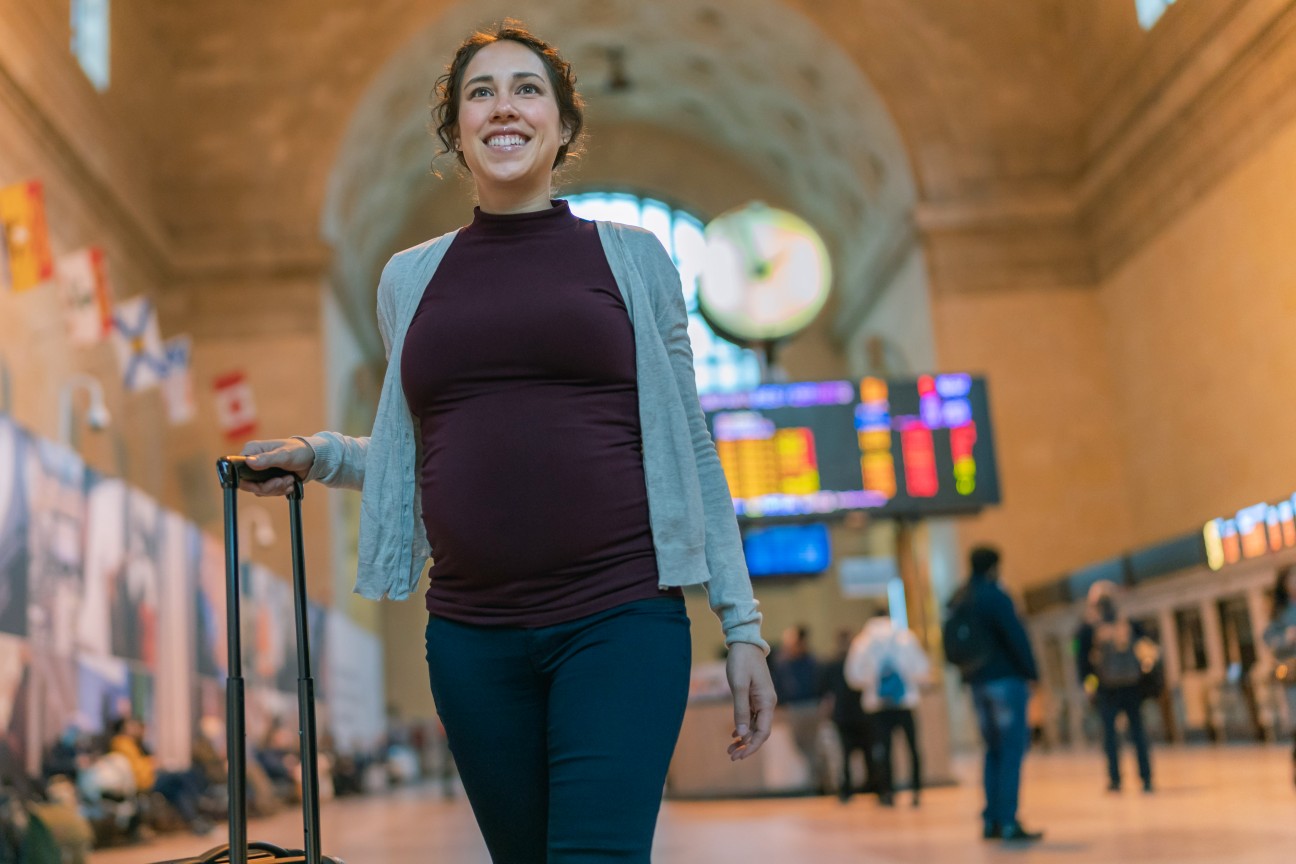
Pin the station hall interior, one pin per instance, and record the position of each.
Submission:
(1066, 223)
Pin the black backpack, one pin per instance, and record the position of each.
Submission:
(1115, 662)
(968, 642)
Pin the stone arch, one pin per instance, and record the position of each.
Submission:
(767, 90)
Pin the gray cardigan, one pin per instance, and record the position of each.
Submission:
(695, 533)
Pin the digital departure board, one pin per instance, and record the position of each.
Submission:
(896, 447)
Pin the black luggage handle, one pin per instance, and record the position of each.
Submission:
(234, 470)
(231, 470)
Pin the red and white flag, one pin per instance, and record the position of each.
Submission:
(87, 296)
(235, 408)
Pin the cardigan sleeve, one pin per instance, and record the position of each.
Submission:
(340, 459)
(729, 587)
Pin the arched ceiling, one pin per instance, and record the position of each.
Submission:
(253, 106)
(288, 139)
(760, 83)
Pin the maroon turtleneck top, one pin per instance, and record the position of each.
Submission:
(519, 365)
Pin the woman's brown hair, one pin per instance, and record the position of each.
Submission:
(571, 107)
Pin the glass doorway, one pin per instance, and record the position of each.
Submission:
(1158, 714)
(1238, 703)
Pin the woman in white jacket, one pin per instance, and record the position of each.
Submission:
(888, 666)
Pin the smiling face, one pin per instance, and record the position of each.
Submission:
(509, 130)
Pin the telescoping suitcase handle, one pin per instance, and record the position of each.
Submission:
(233, 470)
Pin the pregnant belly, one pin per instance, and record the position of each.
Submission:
(544, 492)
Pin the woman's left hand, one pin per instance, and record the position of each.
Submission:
(754, 699)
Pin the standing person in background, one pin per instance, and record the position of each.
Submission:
(1280, 636)
(843, 704)
(889, 667)
(1108, 664)
(796, 681)
(539, 435)
(985, 638)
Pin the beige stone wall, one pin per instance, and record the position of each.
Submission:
(85, 188)
(1134, 412)
(1061, 465)
(86, 148)
(1200, 336)
(405, 670)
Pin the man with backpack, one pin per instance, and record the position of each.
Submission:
(1108, 648)
(888, 666)
(984, 637)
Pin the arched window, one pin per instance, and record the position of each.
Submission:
(719, 364)
(1150, 11)
(90, 38)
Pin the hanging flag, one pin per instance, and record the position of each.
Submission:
(235, 408)
(177, 389)
(87, 296)
(25, 237)
(138, 345)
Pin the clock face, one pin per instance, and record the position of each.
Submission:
(766, 274)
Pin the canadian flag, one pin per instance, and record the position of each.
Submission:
(235, 408)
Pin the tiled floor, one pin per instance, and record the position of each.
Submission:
(1233, 805)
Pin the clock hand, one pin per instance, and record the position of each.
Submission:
(777, 262)
(744, 238)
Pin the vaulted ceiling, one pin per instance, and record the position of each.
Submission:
(260, 96)
(291, 137)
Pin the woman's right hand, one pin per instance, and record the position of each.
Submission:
(291, 454)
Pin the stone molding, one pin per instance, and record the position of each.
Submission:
(1164, 143)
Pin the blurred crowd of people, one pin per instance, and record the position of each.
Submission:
(109, 789)
(872, 689)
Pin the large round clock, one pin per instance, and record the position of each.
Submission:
(766, 274)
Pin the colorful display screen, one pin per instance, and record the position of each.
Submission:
(898, 447)
(787, 550)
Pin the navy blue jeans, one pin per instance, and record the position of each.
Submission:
(563, 734)
(1001, 714)
(1112, 704)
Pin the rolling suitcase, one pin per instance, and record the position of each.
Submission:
(232, 470)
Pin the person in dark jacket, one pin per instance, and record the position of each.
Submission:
(845, 703)
(1110, 669)
(1000, 691)
(1280, 636)
(795, 672)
